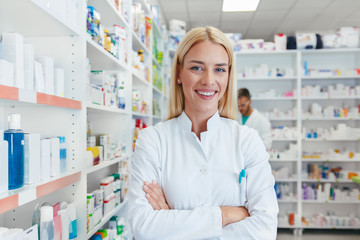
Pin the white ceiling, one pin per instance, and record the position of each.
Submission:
(272, 16)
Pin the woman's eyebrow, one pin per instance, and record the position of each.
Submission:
(200, 62)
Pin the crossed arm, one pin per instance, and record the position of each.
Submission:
(156, 198)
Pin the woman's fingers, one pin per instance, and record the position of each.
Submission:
(152, 202)
(156, 194)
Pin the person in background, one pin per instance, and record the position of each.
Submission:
(252, 117)
(200, 175)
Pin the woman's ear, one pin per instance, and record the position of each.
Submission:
(178, 80)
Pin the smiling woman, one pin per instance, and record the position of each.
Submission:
(200, 175)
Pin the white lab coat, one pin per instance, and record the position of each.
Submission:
(198, 177)
(261, 124)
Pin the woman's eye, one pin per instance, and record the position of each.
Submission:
(220, 70)
(196, 68)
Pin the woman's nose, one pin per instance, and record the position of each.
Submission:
(208, 78)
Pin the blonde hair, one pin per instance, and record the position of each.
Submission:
(227, 104)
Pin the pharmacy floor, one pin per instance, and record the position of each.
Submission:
(319, 235)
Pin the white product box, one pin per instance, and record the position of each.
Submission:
(45, 158)
(55, 157)
(6, 73)
(96, 95)
(305, 40)
(32, 156)
(106, 184)
(13, 51)
(59, 82)
(32, 233)
(48, 70)
(3, 232)
(29, 54)
(39, 85)
(4, 162)
(15, 234)
(109, 203)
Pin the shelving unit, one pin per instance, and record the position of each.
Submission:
(106, 218)
(27, 193)
(316, 59)
(70, 45)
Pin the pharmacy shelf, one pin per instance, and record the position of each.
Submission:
(156, 63)
(330, 140)
(157, 90)
(140, 114)
(18, 197)
(329, 98)
(288, 226)
(329, 160)
(282, 160)
(106, 218)
(267, 79)
(108, 6)
(287, 201)
(330, 118)
(317, 59)
(331, 77)
(102, 59)
(139, 78)
(334, 227)
(145, 6)
(273, 98)
(26, 96)
(330, 202)
(284, 140)
(286, 52)
(105, 164)
(98, 108)
(327, 181)
(156, 27)
(156, 117)
(283, 119)
(329, 50)
(35, 12)
(138, 44)
(286, 180)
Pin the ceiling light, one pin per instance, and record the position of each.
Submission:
(240, 5)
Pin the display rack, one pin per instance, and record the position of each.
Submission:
(316, 59)
(68, 43)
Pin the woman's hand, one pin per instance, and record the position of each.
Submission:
(233, 214)
(155, 196)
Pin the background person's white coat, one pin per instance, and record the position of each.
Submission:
(261, 124)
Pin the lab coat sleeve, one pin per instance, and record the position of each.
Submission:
(266, 133)
(146, 223)
(261, 198)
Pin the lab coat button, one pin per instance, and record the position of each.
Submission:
(204, 170)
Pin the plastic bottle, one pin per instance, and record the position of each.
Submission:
(15, 137)
(46, 223)
(62, 154)
(73, 221)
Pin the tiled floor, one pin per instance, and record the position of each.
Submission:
(320, 235)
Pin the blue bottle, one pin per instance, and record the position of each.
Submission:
(62, 154)
(15, 137)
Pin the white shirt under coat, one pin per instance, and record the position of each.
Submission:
(261, 124)
(198, 177)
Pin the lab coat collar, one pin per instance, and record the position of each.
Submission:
(212, 123)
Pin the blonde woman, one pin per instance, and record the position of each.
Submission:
(200, 175)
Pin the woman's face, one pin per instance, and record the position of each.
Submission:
(204, 77)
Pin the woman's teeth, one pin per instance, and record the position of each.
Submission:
(206, 93)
